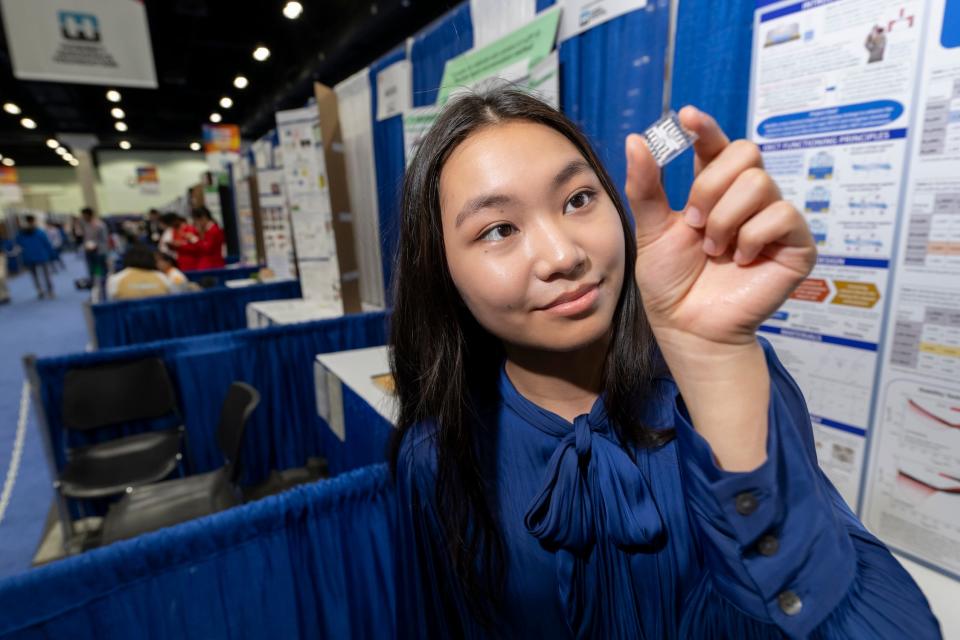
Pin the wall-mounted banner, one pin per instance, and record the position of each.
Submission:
(105, 42)
(148, 179)
(221, 137)
(9, 185)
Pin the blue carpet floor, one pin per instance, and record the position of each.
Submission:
(46, 328)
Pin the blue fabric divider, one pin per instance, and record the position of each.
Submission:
(712, 72)
(314, 562)
(611, 84)
(390, 166)
(432, 46)
(283, 432)
(367, 436)
(127, 322)
(223, 274)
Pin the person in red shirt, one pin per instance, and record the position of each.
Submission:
(177, 233)
(204, 248)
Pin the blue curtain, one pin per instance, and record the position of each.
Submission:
(367, 436)
(611, 81)
(127, 322)
(223, 274)
(712, 72)
(445, 38)
(283, 432)
(387, 139)
(314, 562)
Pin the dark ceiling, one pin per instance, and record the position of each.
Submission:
(199, 46)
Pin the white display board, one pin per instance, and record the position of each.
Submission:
(275, 222)
(104, 42)
(912, 488)
(308, 197)
(831, 114)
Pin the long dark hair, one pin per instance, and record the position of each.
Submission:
(444, 362)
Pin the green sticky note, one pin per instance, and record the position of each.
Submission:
(532, 41)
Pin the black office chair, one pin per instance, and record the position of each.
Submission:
(100, 397)
(164, 504)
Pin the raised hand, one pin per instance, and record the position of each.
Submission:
(715, 271)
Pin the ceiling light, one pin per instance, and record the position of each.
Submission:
(118, 113)
(113, 95)
(28, 123)
(215, 117)
(226, 102)
(70, 159)
(292, 9)
(11, 108)
(8, 162)
(60, 151)
(124, 145)
(120, 126)
(240, 82)
(53, 144)
(261, 53)
(74, 162)
(194, 146)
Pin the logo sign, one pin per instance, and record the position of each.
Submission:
(103, 42)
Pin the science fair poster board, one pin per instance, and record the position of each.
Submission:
(278, 247)
(856, 107)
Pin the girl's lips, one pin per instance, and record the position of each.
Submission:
(575, 302)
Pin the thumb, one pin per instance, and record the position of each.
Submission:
(651, 210)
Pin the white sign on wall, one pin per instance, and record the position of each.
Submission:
(104, 42)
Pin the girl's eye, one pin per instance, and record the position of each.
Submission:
(579, 200)
(499, 232)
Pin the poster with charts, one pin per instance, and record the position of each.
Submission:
(912, 488)
(308, 197)
(831, 96)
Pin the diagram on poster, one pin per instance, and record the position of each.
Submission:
(831, 94)
(912, 497)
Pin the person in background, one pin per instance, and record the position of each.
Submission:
(139, 277)
(96, 246)
(206, 246)
(167, 265)
(6, 247)
(177, 233)
(36, 253)
(55, 236)
(154, 228)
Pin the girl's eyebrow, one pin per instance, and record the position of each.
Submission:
(474, 205)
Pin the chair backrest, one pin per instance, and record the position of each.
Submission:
(112, 394)
(240, 402)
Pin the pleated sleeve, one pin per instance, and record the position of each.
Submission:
(782, 552)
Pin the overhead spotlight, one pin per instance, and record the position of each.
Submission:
(118, 113)
(124, 144)
(28, 123)
(11, 108)
(226, 102)
(74, 162)
(194, 146)
(119, 125)
(69, 158)
(240, 82)
(113, 95)
(215, 117)
(292, 10)
(261, 53)
(8, 162)
(60, 151)
(53, 144)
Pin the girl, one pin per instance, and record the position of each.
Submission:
(592, 440)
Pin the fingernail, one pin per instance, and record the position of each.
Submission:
(738, 257)
(694, 217)
(709, 246)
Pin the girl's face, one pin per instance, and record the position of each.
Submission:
(534, 244)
